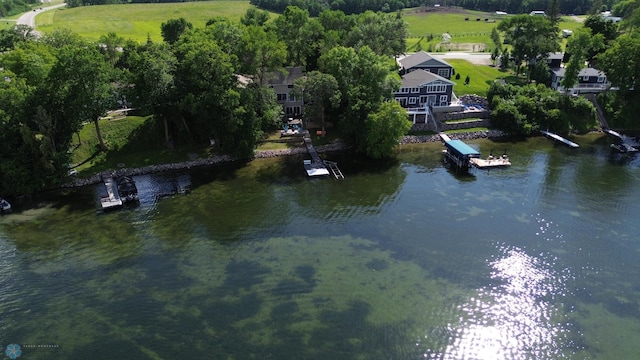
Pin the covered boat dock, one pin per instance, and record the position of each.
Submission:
(459, 153)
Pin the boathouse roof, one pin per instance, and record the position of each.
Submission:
(461, 148)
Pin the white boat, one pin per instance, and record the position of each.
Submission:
(4, 206)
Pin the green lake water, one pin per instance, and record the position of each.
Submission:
(402, 259)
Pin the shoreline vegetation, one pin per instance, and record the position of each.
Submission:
(264, 154)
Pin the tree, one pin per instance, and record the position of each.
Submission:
(173, 29)
(152, 68)
(532, 37)
(255, 17)
(553, 13)
(385, 34)
(289, 28)
(209, 98)
(579, 46)
(110, 47)
(385, 128)
(10, 38)
(365, 80)
(621, 63)
(81, 88)
(319, 91)
(260, 53)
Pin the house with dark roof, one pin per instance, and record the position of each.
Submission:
(555, 59)
(422, 93)
(590, 80)
(282, 83)
(423, 61)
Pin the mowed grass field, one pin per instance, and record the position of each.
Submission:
(136, 21)
(467, 28)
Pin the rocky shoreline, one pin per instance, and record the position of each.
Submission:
(215, 160)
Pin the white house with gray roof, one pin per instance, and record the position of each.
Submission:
(590, 80)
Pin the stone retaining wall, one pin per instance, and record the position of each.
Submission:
(97, 178)
(417, 139)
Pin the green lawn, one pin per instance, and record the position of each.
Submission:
(481, 77)
(136, 21)
(133, 141)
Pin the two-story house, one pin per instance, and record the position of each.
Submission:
(423, 61)
(282, 83)
(422, 93)
(590, 80)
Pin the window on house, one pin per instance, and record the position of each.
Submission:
(415, 90)
(443, 72)
(404, 90)
(282, 97)
(292, 110)
(292, 97)
(412, 100)
(600, 79)
(436, 88)
(444, 100)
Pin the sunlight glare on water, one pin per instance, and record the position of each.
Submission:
(513, 318)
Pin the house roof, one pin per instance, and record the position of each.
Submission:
(423, 59)
(421, 77)
(583, 72)
(285, 77)
(555, 55)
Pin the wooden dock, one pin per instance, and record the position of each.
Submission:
(559, 138)
(112, 200)
(490, 162)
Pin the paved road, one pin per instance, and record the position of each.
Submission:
(29, 18)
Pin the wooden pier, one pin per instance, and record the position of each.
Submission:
(559, 138)
(489, 163)
(112, 200)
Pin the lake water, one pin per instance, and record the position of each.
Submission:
(402, 259)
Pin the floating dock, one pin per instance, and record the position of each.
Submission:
(559, 138)
(489, 163)
(112, 200)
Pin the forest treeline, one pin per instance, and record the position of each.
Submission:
(315, 7)
(13, 7)
(510, 6)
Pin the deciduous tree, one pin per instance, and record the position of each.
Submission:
(385, 128)
(319, 91)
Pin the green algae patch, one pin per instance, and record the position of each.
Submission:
(303, 282)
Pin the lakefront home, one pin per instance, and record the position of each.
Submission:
(590, 80)
(422, 93)
(282, 83)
